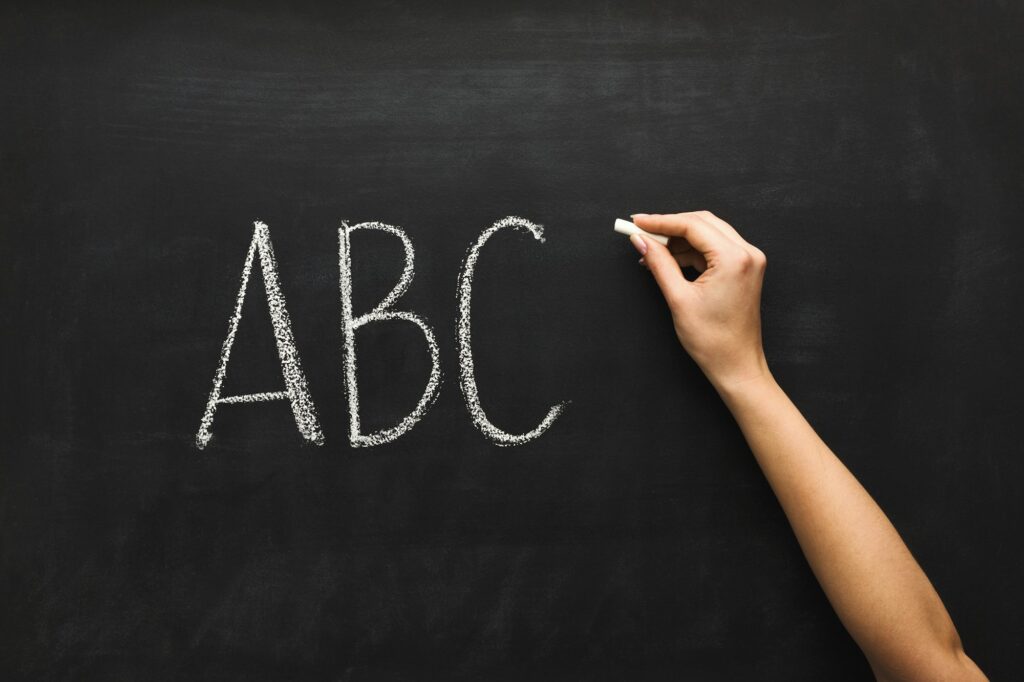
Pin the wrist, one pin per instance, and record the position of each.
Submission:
(737, 383)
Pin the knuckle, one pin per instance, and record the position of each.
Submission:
(760, 260)
(744, 259)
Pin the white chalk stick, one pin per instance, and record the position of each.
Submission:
(626, 227)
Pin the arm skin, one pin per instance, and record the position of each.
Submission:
(874, 584)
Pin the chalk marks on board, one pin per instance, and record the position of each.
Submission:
(467, 378)
(296, 389)
(380, 313)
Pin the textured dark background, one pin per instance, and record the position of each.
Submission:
(874, 152)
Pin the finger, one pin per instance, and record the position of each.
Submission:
(663, 266)
(722, 226)
(700, 234)
(729, 231)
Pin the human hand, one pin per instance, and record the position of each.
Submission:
(717, 316)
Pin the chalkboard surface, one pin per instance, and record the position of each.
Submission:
(873, 152)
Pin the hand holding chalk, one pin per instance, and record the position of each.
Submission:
(629, 229)
(717, 316)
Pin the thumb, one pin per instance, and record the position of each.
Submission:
(663, 266)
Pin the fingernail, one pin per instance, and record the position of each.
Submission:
(638, 243)
(634, 216)
(642, 263)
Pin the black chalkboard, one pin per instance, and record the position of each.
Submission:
(873, 151)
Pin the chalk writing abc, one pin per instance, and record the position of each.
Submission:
(296, 389)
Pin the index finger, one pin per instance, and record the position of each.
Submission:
(701, 235)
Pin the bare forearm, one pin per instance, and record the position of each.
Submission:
(882, 596)
(876, 587)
